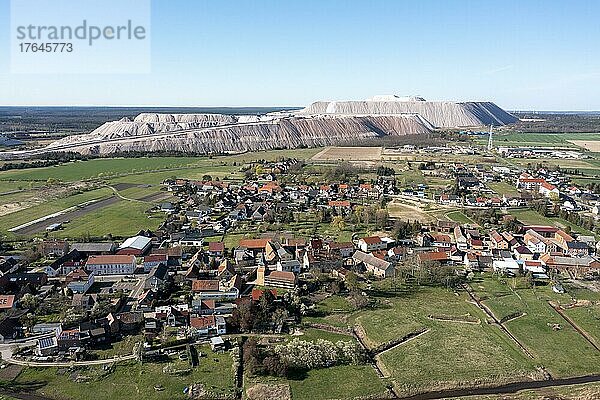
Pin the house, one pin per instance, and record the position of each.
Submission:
(278, 279)
(84, 302)
(442, 242)
(345, 249)
(68, 339)
(10, 328)
(79, 281)
(274, 251)
(136, 245)
(217, 343)
(207, 325)
(158, 278)
(461, 240)
(378, 267)
(575, 266)
(111, 264)
(339, 204)
(523, 253)
(212, 289)
(258, 293)
(548, 190)
(176, 315)
(289, 266)
(97, 249)
(576, 249)
(528, 183)
(371, 243)
(498, 241)
(433, 257)
(471, 261)
(507, 265)
(535, 242)
(53, 248)
(14, 282)
(41, 328)
(446, 226)
(47, 346)
(154, 260)
(8, 265)
(534, 267)
(216, 249)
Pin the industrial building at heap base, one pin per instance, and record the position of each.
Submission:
(322, 123)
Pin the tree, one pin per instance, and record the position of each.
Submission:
(274, 365)
(381, 218)
(338, 223)
(29, 301)
(243, 318)
(352, 281)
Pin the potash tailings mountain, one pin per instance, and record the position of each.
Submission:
(319, 124)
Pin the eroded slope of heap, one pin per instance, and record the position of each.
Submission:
(205, 133)
(441, 114)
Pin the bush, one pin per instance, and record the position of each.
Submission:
(303, 355)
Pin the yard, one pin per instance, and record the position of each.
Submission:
(503, 188)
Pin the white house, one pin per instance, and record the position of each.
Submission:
(111, 264)
(371, 243)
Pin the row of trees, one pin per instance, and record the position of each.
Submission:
(266, 314)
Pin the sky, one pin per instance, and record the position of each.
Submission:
(522, 55)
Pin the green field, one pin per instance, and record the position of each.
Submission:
(124, 218)
(538, 139)
(450, 353)
(133, 380)
(456, 353)
(338, 382)
(460, 217)
(503, 188)
(563, 352)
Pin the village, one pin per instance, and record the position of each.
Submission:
(216, 269)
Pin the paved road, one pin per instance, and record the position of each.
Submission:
(69, 215)
(71, 363)
(132, 298)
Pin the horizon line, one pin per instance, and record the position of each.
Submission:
(246, 106)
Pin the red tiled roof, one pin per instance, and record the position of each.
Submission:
(282, 276)
(254, 243)
(339, 203)
(111, 259)
(372, 239)
(202, 322)
(257, 293)
(216, 247)
(155, 257)
(205, 285)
